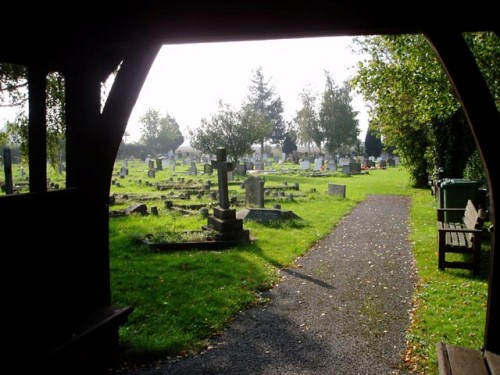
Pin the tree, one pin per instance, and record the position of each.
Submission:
(412, 103)
(337, 116)
(160, 134)
(290, 141)
(233, 130)
(14, 93)
(307, 121)
(263, 100)
(373, 143)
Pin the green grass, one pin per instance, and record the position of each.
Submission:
(183, 298)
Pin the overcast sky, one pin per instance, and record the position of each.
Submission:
(187, 80)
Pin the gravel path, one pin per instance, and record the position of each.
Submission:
(343, 309)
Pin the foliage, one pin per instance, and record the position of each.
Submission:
(373, 143)
(233, 130)
(160, 134)
(474, 169)
(307, 122)
(412, 103)
(337, 117)
(263, 100)
(290, 141)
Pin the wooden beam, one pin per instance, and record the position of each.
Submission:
(482, 116)
(37, 130)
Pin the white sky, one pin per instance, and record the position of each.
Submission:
(187, 80)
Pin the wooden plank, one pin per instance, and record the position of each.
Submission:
(464, 361)
(493, 361)
(443, 361)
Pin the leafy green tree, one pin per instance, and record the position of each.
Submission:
(412, 103)
(307, 121)
(337, 116)
(373, 143)
(263, 100)
(160, 134)
(226, 128)
(290, 141)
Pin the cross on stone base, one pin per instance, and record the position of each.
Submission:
(224, 219)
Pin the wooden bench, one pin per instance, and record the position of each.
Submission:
(456, 360)
(463, 237)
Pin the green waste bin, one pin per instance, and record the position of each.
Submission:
(455, 193)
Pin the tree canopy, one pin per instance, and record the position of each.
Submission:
(233, 130)
(262, 99)
(337, 117)
(411, 100)
(160, 134)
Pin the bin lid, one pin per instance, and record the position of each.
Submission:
(458, 182)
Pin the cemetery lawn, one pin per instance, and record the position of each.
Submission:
(183, 298)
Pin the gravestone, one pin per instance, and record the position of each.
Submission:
(159, 165)
(318, 163)
(151, 164)
(193, 171)
(344, 161)
(123, 171)
(223, 220)
(355, 168)
(332, 166)
(382, 164)
(337, 190)
(259, 166)
(305, 164)
(249, 165)
(208, 169)
(266, 214)
(346, 169)
(241, 169)
(151, 173)
(165, 162)
(254, 192)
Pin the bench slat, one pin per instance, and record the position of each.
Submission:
(493, 361)
(464, 361)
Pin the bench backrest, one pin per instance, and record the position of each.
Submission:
(473, 218)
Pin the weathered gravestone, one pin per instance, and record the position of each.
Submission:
(337, 190)
(193, 171)
(355, 168)
(208, 169)
(254, 192)
(305, 164)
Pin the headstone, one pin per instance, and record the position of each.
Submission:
(259, 166)
(337, 190)
(193, 171)
(344, 161)
(346, 169)
(151, 173)
(332, 166)
(223, 220)
(254, 192)
(151, 164)
(223, 166)
(123, 171)
(355, 168)
(241, 169)
(383, 164)
(249, 165)
(165, 162)
(305, 164)
(318, 163)
(208, 169)
(159, 164)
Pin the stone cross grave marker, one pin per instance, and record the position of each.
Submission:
(222, 166)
